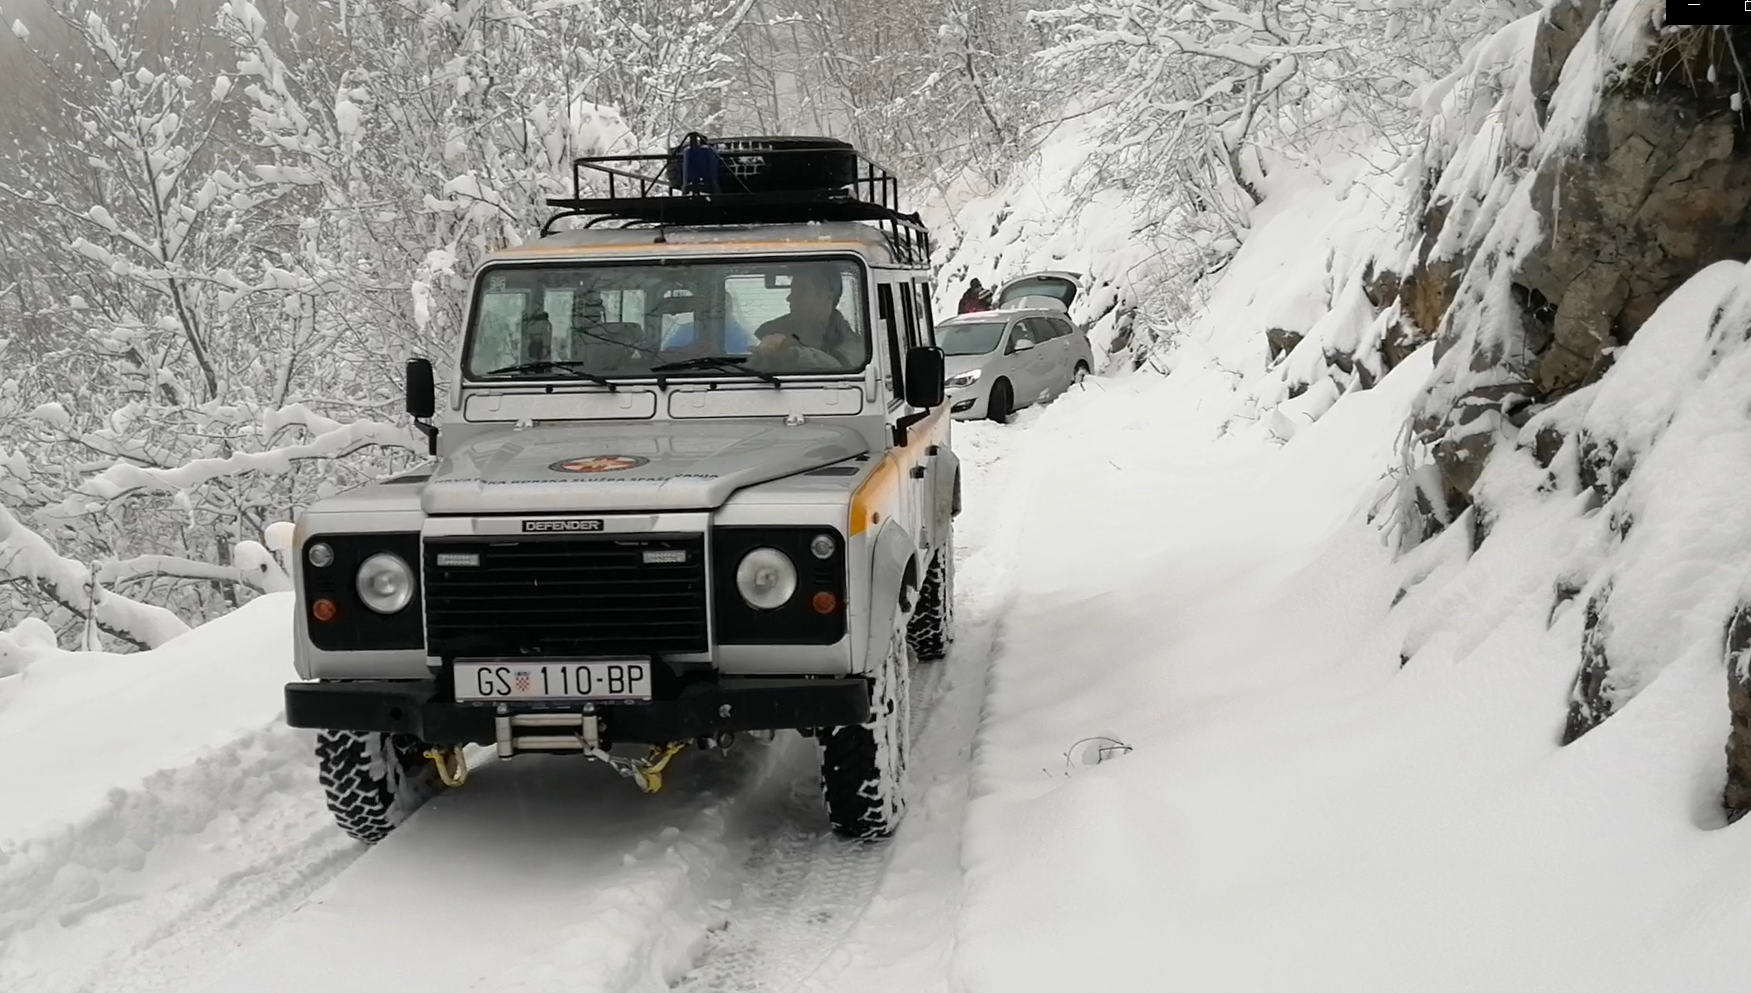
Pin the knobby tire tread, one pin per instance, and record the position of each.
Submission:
(931, 631)
(372, 781)
(861, 781)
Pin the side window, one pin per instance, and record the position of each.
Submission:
(909, 308)
(1044, 329)
(1063, 327)
(1022, 331)
(886, 314)
(741, 311)
(926, 319)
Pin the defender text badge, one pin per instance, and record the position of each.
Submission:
(575, 524)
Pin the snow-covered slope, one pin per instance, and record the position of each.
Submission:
(1339, 770)
(77, 727)
(1059, 211)
(142, 790)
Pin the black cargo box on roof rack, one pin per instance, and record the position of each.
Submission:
(744, 181)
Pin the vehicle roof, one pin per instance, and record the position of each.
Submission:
(843, 236)
(1006, 314)
(1074, 277)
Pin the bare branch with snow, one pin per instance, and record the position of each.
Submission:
(26, 555)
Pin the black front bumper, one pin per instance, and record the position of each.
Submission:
(414, 707)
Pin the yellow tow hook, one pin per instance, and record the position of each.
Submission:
(452, 765)
(648, 772)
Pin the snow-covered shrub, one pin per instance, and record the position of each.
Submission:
(23, 644)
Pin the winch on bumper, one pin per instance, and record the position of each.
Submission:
(697, 709)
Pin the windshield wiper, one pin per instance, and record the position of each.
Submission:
(551, 365)
(722, 363)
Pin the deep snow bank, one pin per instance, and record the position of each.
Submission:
(1552, 238)
(1344, 768)
(75, 726)
(114, 764)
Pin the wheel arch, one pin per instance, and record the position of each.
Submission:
(893, 587)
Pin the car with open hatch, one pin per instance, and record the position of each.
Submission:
(692, 481)
(1026, 351)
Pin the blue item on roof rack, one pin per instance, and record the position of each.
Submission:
(700, 165)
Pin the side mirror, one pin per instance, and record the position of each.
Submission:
(924, 388)
(422, 400)
(422, 395)
(1021, 344)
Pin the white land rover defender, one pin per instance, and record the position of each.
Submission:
(694, 480)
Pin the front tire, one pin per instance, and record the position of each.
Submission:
(863, 767)
(373, 781)
(1001, 402)
(932, 629)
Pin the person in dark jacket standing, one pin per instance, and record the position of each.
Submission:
(976, 298)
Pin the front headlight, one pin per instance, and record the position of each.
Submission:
(964, 379)
(385, 583)
(766, 578)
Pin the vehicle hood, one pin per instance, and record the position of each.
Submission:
(657, 465)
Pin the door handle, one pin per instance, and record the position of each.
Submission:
(917, 472)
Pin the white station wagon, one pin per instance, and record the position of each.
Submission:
(1025, 352)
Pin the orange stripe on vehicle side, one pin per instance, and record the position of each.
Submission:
(877, 493)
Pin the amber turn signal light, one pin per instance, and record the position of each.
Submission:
(825, 603)
(323, 610)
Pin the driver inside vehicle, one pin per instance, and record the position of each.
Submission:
(814, 334)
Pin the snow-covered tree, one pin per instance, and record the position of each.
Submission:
(1195, 98)
(927, 86)
(237, 237)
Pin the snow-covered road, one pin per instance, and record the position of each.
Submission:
(1301, 806)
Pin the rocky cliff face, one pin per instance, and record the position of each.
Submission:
(1649, 188)
(1655, 189)
(1583, 168)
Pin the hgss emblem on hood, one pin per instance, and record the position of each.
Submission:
(599, 463)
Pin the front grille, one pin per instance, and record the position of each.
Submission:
(565, 597)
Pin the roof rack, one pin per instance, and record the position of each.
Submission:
(643, 189)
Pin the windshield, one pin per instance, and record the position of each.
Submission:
(622, 321)
(969, 339)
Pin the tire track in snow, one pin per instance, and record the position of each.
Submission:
(817, 913)
(804, 888)
(544, 873)
(246, 902)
